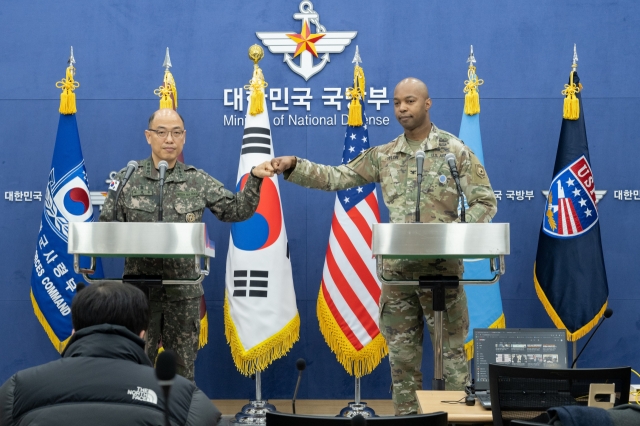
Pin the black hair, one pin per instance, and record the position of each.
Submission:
(111, 302)
(154, 116)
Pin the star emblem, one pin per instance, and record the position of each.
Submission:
(576, 192)
(362, 150)
(346, 199)
(359, 189)
(353, 136)
(364, 139)
(582, 202)
(365, 126)
(587, 212)
(570, 182)
(306, 40)
(351, 149)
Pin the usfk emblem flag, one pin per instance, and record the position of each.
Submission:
(569, 273)
(67, 199)
(260, 313)
(484, 301)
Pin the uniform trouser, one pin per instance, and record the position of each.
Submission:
(402, 308)
(177, 324)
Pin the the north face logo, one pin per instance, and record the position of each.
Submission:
(142, 394)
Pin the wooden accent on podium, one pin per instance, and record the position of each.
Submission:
(430, 402)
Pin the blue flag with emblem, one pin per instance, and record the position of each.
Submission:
(484, 301)
(569, 273)
(67, 199)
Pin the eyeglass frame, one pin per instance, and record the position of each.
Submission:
(182, 132)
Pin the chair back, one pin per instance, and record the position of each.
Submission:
(282, 419)
(520, 393)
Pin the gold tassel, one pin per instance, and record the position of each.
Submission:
(571, 109)
(263, 354)
(356, 362)
(168, 92)
(204, 332)
(67, 97)
(256, 86)
(356, 93)
(472, 95)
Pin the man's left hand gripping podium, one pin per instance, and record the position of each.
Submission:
(139, 239)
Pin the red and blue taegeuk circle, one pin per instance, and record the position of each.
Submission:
(76, 201)
(263, 228)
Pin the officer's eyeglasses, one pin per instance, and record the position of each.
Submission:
(162, 133)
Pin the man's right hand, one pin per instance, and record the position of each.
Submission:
(282, 164)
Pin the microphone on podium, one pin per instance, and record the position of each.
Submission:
(166, 366)
(607, 314)
(132, 166)
(419, 166)
(162, 170)
(301, 364)
(451, 161)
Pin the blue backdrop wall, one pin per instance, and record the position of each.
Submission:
(524, 51)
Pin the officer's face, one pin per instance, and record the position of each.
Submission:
(167, 146)
(411, 104)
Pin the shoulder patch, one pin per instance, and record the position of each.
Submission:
(113, 186)
(480, 171)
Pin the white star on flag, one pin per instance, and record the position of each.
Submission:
(582, 202)
(364, 139)
(576, 192)
(365, 127)
(362, 150)
(570, 182)
(351, 149)
(360, 189)
(346, 199)
(353, 136)
(587, 212)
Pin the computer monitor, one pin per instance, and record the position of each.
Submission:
(519, 347)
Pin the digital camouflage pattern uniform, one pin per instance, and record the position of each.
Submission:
(187, 191)
(402, 307)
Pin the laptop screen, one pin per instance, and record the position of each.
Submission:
(520, 347)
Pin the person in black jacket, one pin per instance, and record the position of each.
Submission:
(104, 376)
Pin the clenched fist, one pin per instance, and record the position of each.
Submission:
(282, 164)
(263, 170)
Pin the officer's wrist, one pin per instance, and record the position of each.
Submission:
(251, 172)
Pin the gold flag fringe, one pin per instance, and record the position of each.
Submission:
(356, 93)
(578, 334)
(571, 109)
(472, 95)
(203, 339)
(68, 97)
(256, 86)
(262, 355)
(168, 92)
(356, 363)
(47, 328)
(499, 323)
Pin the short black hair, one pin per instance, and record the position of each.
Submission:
(111, 302)
(154, 116)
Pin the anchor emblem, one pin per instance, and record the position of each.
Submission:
(305, 44)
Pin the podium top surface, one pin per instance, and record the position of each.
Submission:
(138, 239)
(440, 240)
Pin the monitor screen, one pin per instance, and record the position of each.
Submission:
(519, 347)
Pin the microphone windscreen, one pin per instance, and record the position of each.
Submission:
(166, 365)
(608, 312)
(450, 157)
(301, 364)
(420, 154)
(133, 164)
(358, 420)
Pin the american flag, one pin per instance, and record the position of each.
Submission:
(350, 290)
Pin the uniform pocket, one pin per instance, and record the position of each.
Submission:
(189, 209)
(141, 208)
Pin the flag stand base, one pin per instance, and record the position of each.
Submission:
(255, 412)
(357, 407)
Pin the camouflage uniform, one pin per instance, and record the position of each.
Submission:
(402, 307)
(187, 191)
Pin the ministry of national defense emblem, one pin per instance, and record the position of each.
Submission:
(306, 45)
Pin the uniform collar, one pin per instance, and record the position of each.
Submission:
(431, 142)
(173, 175)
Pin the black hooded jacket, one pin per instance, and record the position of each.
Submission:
(103, 378)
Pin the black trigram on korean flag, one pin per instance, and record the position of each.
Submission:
(256, 140)
(258, 283)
